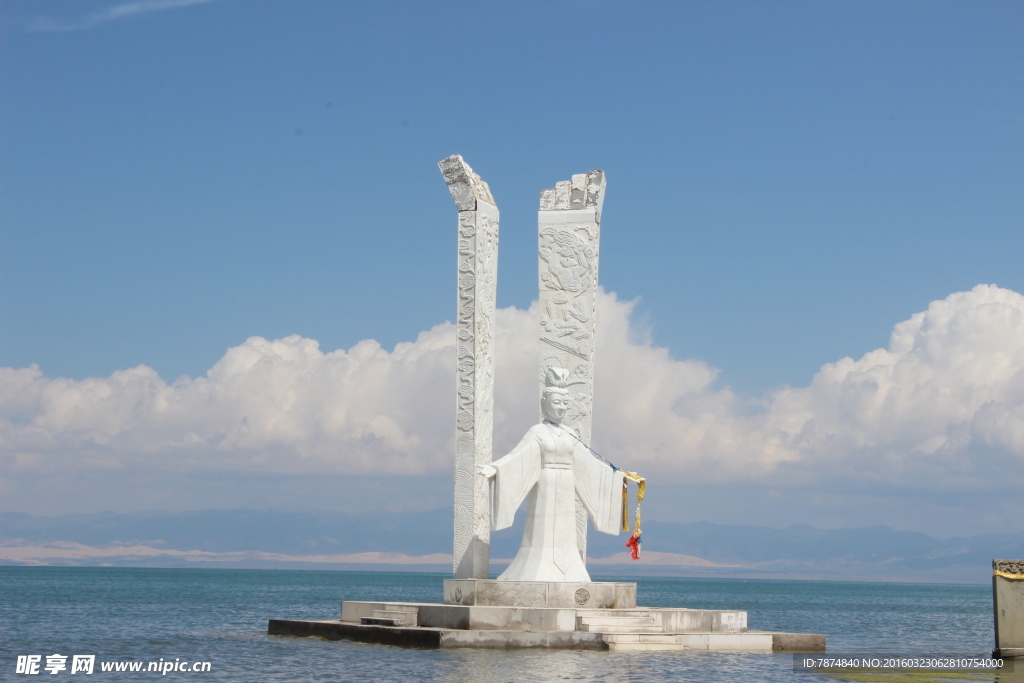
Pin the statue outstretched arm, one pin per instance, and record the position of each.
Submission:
(514, 477)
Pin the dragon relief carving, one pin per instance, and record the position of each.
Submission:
(1009, 566)
(568, 278)
(570, 261)
(477, 276)
(465, 418)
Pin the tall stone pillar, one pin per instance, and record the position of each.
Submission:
(474, 418)
(569, 225)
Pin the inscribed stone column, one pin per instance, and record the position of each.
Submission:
(478, 273)
(569, 225)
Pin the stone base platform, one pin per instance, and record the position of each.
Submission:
(427, 637)
(436, 625)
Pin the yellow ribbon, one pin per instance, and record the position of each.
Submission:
(1008, 575)
(641, 487)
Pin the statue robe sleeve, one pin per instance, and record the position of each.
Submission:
(518, 472)
(599, 487)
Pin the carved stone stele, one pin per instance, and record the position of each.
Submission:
(474, 417)
(569, 232)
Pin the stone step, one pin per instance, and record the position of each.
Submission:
(615, 621)
(618, 628)
(617, 624)
(400, 616)
(613, 612)
(750, 642)
(649, 638)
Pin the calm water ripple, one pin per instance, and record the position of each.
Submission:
(220, 615)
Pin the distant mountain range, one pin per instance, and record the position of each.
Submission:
(422, 541)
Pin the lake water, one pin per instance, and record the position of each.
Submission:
(220, 616)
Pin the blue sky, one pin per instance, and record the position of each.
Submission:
(787, 180)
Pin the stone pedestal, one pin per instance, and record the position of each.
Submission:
(1008, 601)
(636, 628)
(589, 595)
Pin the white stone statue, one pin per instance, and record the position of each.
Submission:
(553, 467)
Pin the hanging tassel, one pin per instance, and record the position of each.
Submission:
(634, 545)
(641, 488)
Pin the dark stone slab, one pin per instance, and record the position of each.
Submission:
(416, 636)
(333, 629)
(423, 637)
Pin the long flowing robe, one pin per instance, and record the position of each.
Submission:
(552, 467)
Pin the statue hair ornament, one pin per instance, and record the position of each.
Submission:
(557, 379)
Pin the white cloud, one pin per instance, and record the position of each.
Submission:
(933, 410)
(938, 409)
(121, 11)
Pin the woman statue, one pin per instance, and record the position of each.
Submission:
(553, 467)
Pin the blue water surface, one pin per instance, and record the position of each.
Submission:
(220, 616)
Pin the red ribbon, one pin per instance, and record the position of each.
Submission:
(634, 545)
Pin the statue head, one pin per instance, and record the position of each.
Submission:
(555, 400)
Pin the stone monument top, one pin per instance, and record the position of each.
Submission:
(465, 185)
